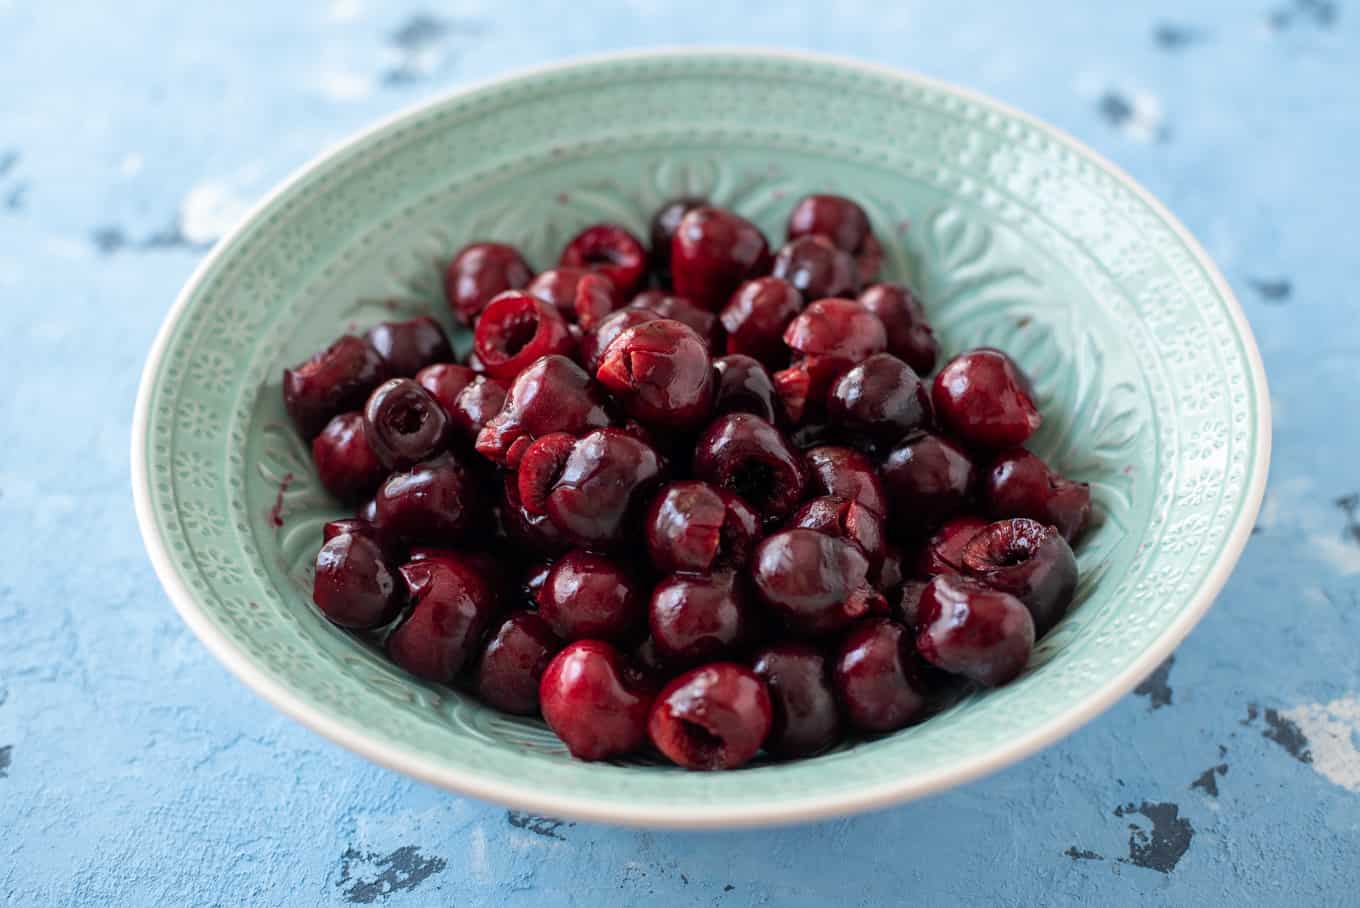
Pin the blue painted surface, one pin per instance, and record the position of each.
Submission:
(134, 770)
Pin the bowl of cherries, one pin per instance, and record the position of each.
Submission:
(700, 481)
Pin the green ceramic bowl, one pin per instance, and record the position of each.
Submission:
(1016, 235)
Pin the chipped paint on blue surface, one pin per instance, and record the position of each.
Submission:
(134, 770)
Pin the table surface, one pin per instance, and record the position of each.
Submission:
(134, 770)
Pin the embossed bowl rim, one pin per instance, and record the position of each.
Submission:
(559, 803)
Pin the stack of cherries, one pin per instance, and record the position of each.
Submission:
(696, 494)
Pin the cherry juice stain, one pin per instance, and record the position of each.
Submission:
(276, 512)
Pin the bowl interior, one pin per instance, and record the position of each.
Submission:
(1014, 237)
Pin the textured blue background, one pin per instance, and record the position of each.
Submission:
(134, 770)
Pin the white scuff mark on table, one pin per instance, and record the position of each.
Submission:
(478, 865)
(132, 164)
(211, 209)
(1144, 123)
(1339, 554)
(345, 86)
(1333, 733)
(346, 10)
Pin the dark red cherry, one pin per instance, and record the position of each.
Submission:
(478, 403)
(969, 628)
(534, 532)
(604, 484)
(693, 526)
(552, 395)
(453, 604)
(712, 717)
(755, 318)
(804, 717)
(595, 700)
(909, 336)
(478, 273)
(743, 386)
(845, 473)
(704, 322)
(355, 525)
(802, 387)
(611, 251)
(344, 459)
(334, 381)
(513, 662)
(663, 226)
(882, 399)
(1020, 484)
(816, 268)
(590, 596)
(943, 552)
(662, 373)
(1030, 561)
(746, 455)
(355, 587)
(836, 327)
(580, 295)
(877, 679)
(835, 217)
(432, 501)
(712, 252)
(984, 399)
(404, 424)
(927, 479)
(410, 346)
(444, 382)
(698, 618)
(814, 582)
(516, 329)
(596, 341)
(848, 520)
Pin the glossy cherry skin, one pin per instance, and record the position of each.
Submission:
(755, 318)
(595, 700)
(1020, 484)
(1030, 561)
(697, 527)
(452, 605)
(596, 341)
(532, 531)
(836, 327)
(712, 252)
(663, 226)
(845, 473)
(540, 468)
(816, 268)
(590, 596)
(475, 406)
(514, 330)
(906, 604)
(355, 586)
(404, 424)
(742, 385)
(480, 272)
(746, 455)
(876, 677)
(409, 346)
(814, 582)
(848, 520)
(432, 501)
(345, 461)
(355, 525)
(604, 485)
(882, 399)
(703, 322)
(928, 479)
(943, 552)
(835, 217)
(698, 618)
(967, 628)
(610, 251)
(512, 664)
(662, 372)
(581, 296)
(334, 381)
(445, 381)
(802, 387)
(552, 395)
(715, 716)
(804, 717)
(984, 399)
(904, 319)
